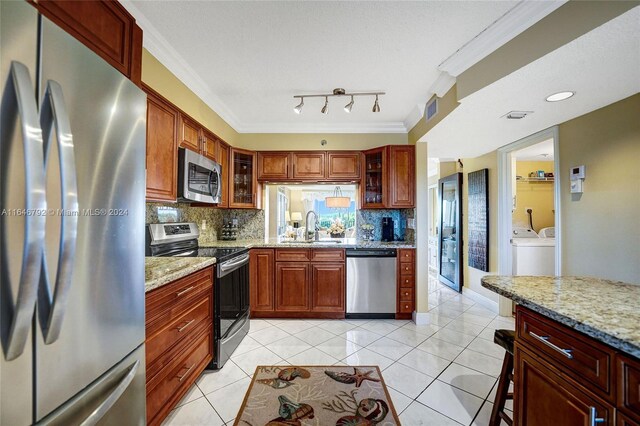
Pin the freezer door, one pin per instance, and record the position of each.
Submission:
(117, 398)
(90, 312)
(18, 44)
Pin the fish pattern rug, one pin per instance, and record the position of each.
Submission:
(317, 395)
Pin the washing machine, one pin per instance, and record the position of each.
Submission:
(532, 255)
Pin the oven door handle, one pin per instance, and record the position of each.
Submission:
(235, 333)
(231, 265)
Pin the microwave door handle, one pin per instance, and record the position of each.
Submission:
(51, 310)
(210, 184)
(24, 104)
(219, 189)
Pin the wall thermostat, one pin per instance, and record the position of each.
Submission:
(577, 173)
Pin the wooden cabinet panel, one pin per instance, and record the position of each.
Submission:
(402, 182)
(105, 27)
(262, 280)
(624, 420)
(628, 379)
(222, 157)
(327, 255)
(373, 189)
(343, 165)
(328, 287)
(406, 308)
(162, 149)
(406, 284)
(292, 255)
(273, 165)
(406, 295)
(587, 362)
(407, 281)
(308, 165)
(292, 286)
(542, 395)
(407, 268)
(406, 255)
(209, 145)
(189, 134)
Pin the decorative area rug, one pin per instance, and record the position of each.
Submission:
(317, 395)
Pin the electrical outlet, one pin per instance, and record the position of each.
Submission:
(411, 223)
(234, 222)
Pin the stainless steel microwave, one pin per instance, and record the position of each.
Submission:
(199, 178)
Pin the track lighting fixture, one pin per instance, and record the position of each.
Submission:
(337, 92)
(325, 108)
(347, 107)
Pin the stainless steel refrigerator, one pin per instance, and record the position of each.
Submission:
(72, 181)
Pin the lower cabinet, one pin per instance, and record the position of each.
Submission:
(406, 284)
(179, 340)
(306, 283)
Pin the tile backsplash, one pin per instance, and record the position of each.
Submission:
(374, 217)
(210, 220)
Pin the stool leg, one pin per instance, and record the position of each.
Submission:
(502, 391)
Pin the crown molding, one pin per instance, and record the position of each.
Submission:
(389, 127)
(416, 114)
(441, 86)
(520, 17)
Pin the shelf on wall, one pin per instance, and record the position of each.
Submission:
(535, 179)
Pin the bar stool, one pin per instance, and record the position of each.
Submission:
(505, 339)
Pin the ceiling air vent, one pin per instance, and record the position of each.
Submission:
(516, 115)
(432, 108)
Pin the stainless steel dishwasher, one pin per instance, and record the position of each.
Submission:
(371, 283)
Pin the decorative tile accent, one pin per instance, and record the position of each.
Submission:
(374, 217)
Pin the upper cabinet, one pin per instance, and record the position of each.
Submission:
(343, 165)
(104, 27)
(162, 146)
(309, 165)
(189, 134)
(388, 178)
(243, 185)
(209, 145)
(273, 165)
(402, 181)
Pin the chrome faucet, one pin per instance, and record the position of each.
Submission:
(315, 225)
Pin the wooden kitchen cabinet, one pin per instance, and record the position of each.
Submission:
(373, 190)
(104, 26)
(162, 148)
(179, 340)
(308, 165)
(243, 184)
(222, 157)
(628, 380)
(402, 182)
(189, 134)
(209, 145)
(274, 166)
(405, 296)
(292, 286)
(262, 280)
(328, 287)
(343, 165)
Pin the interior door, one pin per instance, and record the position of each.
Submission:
(450, 241)
(102, 317)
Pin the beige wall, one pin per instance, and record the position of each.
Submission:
(535, 195)
(472, 276)
(311, 141)
(446, 104)
(159, 78)
(601, 228)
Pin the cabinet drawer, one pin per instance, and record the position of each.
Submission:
(168, 387)
(163, 299)
(327, 255)
(628, 377)
(405, 255)
(407, 268)
(406, 307)
(406, 295)
(576, 355)
(179, 328)
(293, 255)
(407, 281)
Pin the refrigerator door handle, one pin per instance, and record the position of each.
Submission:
(51, 310)
(35, 208)
(109, 401)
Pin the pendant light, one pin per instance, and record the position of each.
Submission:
(337, 201)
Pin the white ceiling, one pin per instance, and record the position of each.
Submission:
(542, 151)
(602, 67)
(247, 59)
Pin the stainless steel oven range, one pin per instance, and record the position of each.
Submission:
(231, 287)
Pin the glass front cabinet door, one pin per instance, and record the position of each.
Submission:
(243, 185)
(374, 187)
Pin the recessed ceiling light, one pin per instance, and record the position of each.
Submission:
(560, 96)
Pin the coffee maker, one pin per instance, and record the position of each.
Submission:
(387, 229)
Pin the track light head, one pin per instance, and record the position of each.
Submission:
(325, 108)
(298, 108)
(376, 106)
(347, 107)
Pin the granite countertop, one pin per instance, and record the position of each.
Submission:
(608, 311)
(279, 243)
(159, 271)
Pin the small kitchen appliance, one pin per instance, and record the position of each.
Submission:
(387, 229)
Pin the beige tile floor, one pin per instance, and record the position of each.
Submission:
(442, 373)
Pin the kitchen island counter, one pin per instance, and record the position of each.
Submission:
(159, 271)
